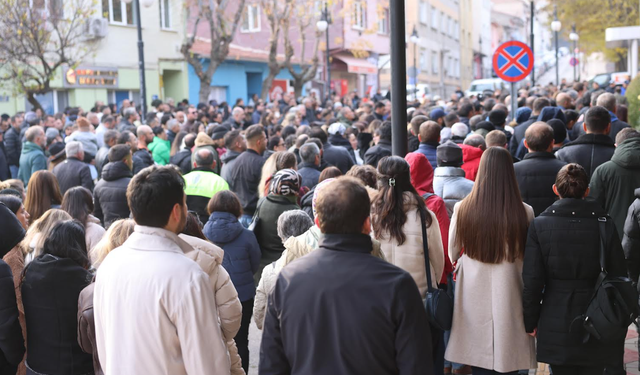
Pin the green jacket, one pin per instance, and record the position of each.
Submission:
(32, 159)
(160, 150)
(613, 183)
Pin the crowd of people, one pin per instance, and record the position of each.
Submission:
(136, 245)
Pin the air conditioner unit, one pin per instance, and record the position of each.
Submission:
(96, 28)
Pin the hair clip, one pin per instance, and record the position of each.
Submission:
(392, 182)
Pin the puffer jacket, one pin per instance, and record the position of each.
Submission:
(471, 157)
(536, 175)
(241, 251)
(13, 145)
(110, 194)
(410, 255)
(631, 239)
(422, 181)
(32, 159)
(209, 258)
(141, 160)
(160, 150)
(589, 150)
(429, 150)
(295, 247)
(613, 183)
(450, 184)
(182, 160)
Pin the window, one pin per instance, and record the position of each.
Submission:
(118, 12)
(456, 30)
(450, 27)
(434, 62)
(47, 7)
(165, 14)
(383, 22)
(251, 19)
(435, 18)
(424, 60)
(424, 16)
(359, 21)
(457, 68)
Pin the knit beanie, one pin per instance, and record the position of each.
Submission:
(449, 155)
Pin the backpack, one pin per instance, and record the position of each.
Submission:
(614, 303)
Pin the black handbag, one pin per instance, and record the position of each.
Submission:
(614, 303)
(438, 303)
(255, 219)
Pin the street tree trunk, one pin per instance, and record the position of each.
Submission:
(205, 90)
(297, 87)
(31, 98)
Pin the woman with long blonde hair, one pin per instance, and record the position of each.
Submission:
(114, 237)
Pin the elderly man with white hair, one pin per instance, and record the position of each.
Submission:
(73, 171)
(459, 132)
(236, 120)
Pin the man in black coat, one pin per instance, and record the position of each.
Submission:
(518, 131)
(110, 137)
(110, 195)
(245, 173)
(382, 149)
(631, 239)
(608, 101)
(334, 155)
(5, 173)
(595, 147)
(13, 144)
(142, 157)
(11, 340)
(537, 172)
(364, 317)
(309, 169)
(73, 171)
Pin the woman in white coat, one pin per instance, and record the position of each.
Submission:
(396, 218)
(487, 239)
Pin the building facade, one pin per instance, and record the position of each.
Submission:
(482, 48)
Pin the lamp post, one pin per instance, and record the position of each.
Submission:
(323, 26)
(533, 71)
(143, 84)
(556, 26)
(481, 59)
(415, 39)
(574, 37)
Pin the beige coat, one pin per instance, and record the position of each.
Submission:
(209, 258)
(488, 325)
(93, 232)
(410, 255)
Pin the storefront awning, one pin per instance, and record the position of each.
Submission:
(355, 65)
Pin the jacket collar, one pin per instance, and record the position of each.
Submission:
(539, 155)
(428, 145)
(349, 243)
(590, 139)
(384, 142)
(572, 207)
(307, 165)
(449, 172)
(282, 199)
(156, 239)
(202, 169)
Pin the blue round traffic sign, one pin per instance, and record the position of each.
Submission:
(513, 61)
(573, 61)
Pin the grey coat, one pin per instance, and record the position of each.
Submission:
(450, 184)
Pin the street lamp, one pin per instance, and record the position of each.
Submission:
(323, 26)
(143, 84)
(415, 39)
(574, 37)
(481, 59)
(556, 26)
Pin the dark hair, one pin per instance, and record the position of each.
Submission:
(157, 130)
(385, 131)
(451, 119)
(225, 201)
(343, 208)
(329, 172)
(110, 135)
(274, 141)
(253, 132)
(365, 173)
(177, 142)
(12, 202)
(78, 203)
(290, 141)
(494, 203)
(152, 194)
(539, 104)
(626, 133)
(539, 136)
(67, 240)
(572, 181)
(465, 110)
(193, 226)
(124, 137)
(119, 152)
(622, 113)
(430, 131)
(388, 208)
(230, 138)
(317, 132)
(559, 130)
(317, 142)
(287, 131)
(571, 115)
(597, 119)
(190, 140)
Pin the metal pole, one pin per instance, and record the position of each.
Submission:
(514, 100)
(533, 71)
(398, 79)
(415, 73)
(557, 63)
(143, 84)
(326, 17)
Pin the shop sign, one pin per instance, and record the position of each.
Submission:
(91, 77)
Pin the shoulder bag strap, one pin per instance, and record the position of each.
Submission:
(602, 222)
(425, 246)
(255, 213)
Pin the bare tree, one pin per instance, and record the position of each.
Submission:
(37, 40)
(308, 69)
(278, 16)
(222, 29)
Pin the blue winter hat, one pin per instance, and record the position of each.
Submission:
(436, 114)
(523, 114)
(549, 113)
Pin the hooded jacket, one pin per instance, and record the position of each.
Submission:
(613, 183)
(589, 150)
(536, 175)
(110, 194)
(182, 160)
(11, 340)
(160, 150)
(32, 159)
(141, 160)
(471, 157)
(204, 141)
(241, 251)
(422, 181)
(50, 292)
(451, 185)
(71, 173)
(228, 159)
(631, 239)
(377, 152)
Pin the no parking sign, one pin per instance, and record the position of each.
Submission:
(513, 61)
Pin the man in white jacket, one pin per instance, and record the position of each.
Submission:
(154, 310)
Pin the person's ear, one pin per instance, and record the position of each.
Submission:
(317, 221)
(555, 191)
(213, 166)
(366, 227)
(419, 138)
(608, 129)
(586, 193)
(195, 165)
(526, 145)
(584, 126)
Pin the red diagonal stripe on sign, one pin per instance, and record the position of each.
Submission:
(512, 61)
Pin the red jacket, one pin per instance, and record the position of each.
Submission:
(471, 158)
(422, 181)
